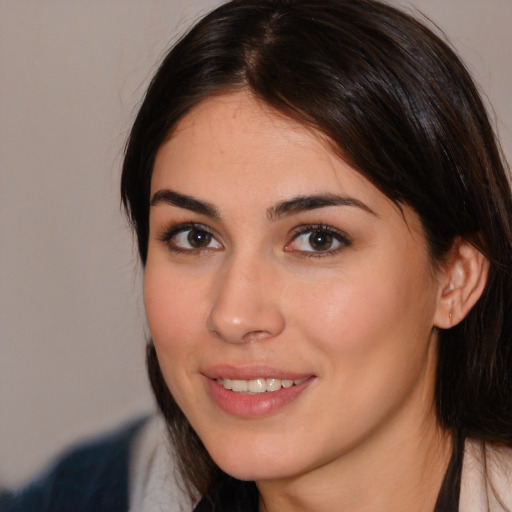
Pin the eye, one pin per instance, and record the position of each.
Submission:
(318, 239)
(190, 237)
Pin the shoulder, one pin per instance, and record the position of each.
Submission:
(486, 483)
(90, 477)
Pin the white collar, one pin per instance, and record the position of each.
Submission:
(153, 482)
(486, 482)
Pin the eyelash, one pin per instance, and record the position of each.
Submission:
(336, 235)
(170, 233)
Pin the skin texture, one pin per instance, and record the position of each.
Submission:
(357, 317)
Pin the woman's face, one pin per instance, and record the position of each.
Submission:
(278, 271)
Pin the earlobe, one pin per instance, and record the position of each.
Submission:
(462, 282)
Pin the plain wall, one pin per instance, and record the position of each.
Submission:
(71, 320)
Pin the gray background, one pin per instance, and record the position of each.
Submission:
(71, 319)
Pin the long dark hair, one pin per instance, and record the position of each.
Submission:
(398, 105)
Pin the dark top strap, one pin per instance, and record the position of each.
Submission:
(230, 495)
(449, 495)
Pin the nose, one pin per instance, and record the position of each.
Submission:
(246, 305)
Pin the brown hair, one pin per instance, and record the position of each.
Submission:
(398, 106)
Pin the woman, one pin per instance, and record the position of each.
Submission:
(332, 158)
(324, 222)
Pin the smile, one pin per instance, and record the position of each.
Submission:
(255, 397)
(260, 385)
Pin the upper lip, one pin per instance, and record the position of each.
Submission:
(227, 371)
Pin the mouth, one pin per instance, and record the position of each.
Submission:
(258, 386)
(251, 392)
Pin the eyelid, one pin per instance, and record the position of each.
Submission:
(339, 235)
(172, 229)
(169, 232)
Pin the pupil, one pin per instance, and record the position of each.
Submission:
(320, 240)
(197, 238)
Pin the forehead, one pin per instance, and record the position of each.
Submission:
(237, 137)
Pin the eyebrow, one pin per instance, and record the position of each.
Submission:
(167, 196)
(304, 203)
(281, 209)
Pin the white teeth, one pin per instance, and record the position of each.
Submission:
(257, 386)
(273, 384)
(260, 385)
(240, 386)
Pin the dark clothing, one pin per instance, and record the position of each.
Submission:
(92, 477)
(231, 495)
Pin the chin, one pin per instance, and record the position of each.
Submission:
(253, 462)
(254, 472)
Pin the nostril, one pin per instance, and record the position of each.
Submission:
(244, 310)
(254, 336)
(259, 326)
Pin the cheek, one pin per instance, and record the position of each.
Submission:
(173, 311)
(374, 336)
(376, 315)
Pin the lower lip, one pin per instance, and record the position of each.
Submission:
(257, 405)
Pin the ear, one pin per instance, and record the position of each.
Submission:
(462, 280)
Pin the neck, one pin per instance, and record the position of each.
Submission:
(395, 473)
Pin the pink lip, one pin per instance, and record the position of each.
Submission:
(257, 405)
(225, 371)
